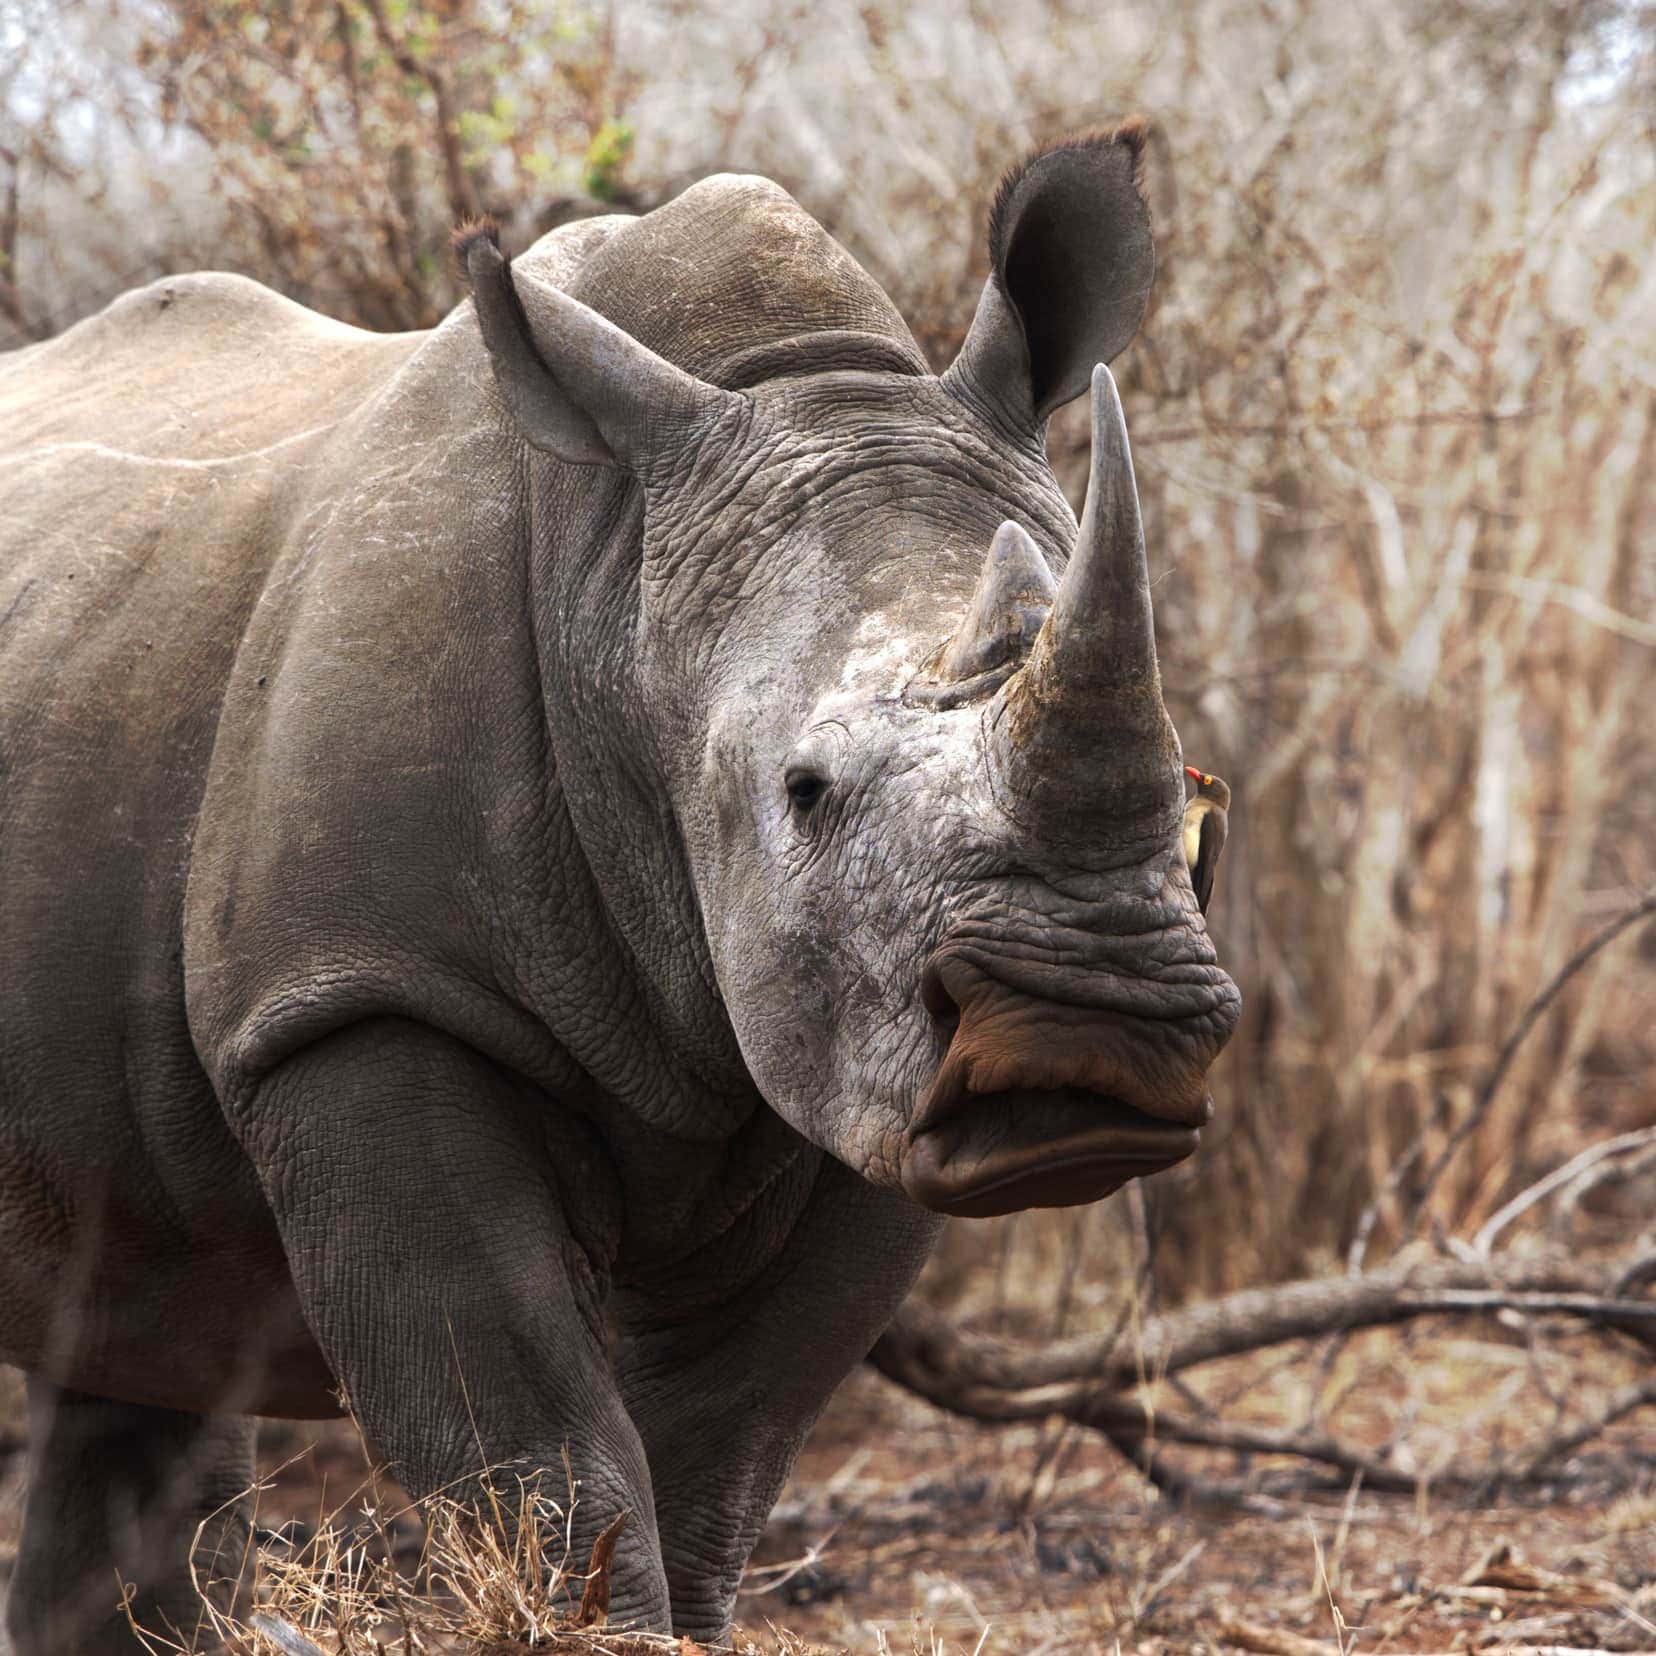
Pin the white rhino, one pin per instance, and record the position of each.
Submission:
(542, 857)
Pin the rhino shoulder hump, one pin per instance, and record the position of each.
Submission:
(219, 299)
(203, 310)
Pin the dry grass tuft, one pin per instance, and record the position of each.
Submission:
(488, 1582)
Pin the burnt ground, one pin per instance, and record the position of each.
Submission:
(905, 1529)
(1036, 1540)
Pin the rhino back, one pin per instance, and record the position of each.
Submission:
(147, 460)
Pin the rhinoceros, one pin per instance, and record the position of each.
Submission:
(543, 857)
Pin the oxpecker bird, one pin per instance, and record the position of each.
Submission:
(1204, 830)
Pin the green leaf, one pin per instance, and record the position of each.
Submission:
(606, 160)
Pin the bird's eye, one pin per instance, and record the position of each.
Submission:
(805, 788)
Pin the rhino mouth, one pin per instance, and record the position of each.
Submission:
(993, 1153)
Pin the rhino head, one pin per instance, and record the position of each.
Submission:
(904, 715)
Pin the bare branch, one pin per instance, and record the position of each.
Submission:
(1088, 1380)
(923, 1343)
(283, 1635)
(1640, 1272)
(1282, 428)
(1533, 1014)
(461, 193)
(1557, 1180)
(11, 298)
(1638, 1396)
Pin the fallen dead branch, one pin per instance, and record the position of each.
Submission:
(1277, 1641)
(1095, 1380)
(925, 1351)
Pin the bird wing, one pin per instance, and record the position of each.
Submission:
(1210, 842)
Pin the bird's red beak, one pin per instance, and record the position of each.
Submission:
(1192, 772)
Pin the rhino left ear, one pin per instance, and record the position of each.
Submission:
(1070, 265)
(578, 386)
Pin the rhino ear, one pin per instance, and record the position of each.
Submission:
(1070, 264)
(578, 386)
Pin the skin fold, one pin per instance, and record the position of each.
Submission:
(538, 864)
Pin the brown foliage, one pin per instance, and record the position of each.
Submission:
(324, 146)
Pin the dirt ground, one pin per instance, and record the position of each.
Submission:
(905, 1529)
(1033, 1540)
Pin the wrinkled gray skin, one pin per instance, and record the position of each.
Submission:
(550, 860)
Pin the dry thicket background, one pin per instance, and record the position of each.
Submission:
(1392, 411)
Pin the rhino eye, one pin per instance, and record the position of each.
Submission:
(805, 788)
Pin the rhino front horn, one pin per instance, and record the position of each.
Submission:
(1085, 734)
(1100, 638)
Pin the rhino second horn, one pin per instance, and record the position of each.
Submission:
(1009, 606)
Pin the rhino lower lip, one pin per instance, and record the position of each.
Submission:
(1000, 1152)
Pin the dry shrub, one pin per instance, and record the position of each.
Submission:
(493, 1580)
(1392, 419)
(1417, 627)
(327, 147)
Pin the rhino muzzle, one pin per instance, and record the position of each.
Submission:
(1040, 1103)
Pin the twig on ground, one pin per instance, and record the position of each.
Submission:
(1272, 1641)
(287, 1639)
(1144, 1602)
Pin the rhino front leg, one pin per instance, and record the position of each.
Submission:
(116, 1495)
(423, 1223)
(725, 1396)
